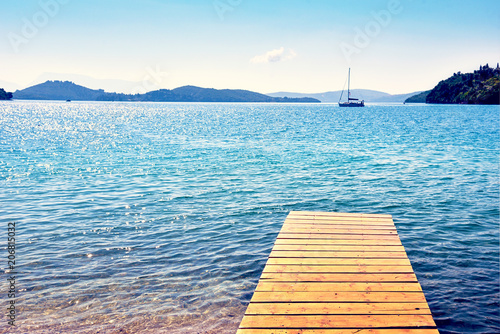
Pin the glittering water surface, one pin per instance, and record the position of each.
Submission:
(158, 218)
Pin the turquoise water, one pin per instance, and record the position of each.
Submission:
(158, 218)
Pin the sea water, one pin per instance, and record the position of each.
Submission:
(159, 217)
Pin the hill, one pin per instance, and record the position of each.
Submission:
(480, 87)
(58, 90)
(65, 90)
(197, 94)
(363, 94)
(5, 95)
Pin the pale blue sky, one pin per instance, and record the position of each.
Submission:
(265, 46)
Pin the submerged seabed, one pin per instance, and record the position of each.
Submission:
(158, 218)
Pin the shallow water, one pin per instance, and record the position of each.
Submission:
(158, 218)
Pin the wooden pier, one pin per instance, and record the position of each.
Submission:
(338, 273)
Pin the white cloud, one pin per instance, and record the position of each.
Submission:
(274, 56)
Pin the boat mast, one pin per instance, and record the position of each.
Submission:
(349, 85)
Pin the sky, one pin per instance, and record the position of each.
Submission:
(307, 46)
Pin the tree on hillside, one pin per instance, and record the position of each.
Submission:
(5, 95)
(480, 87)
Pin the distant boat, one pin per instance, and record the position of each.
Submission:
(68, 100)
(351, 102)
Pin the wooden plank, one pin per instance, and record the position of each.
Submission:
(301, 216)
(285, 235)
(339, 331)
(338, 296)
(339, 248)
(322, 287)
(336, 321)
(338, 214)
(305, 241)
(353, 225)
(336, 269)
(346, 221)
(326, 227)
(366, 255)
(337, 308)
(321, 277)
(324, 261)
(291, 229)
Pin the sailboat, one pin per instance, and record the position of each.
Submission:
(351, 102)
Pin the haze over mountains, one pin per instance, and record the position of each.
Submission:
(66, 90)
(108, 85)
(362, 94)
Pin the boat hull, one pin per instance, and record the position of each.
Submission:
(351, 104)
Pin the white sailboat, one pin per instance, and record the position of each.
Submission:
(351, 102)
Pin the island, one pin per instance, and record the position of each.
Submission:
(480, 87)
(5, 95)
(66, 90)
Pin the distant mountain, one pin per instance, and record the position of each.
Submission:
(363, 94)
(58, 90)
(109, 85)
(5, 95)
(9, 86)
(65, 90)
(480, 87)
(197, 94)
